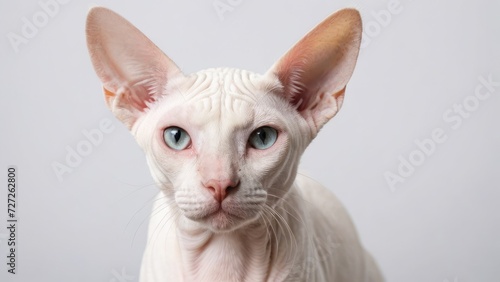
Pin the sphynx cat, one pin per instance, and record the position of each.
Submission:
(224, 145)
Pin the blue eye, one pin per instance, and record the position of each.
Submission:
(263, 137)
(176, 138)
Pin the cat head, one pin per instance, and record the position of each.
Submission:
(223, 144)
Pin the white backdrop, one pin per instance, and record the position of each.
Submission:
(413, 154)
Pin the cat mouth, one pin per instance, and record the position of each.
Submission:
(221, 220)
(222, 217)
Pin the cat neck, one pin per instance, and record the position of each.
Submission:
(263, 250)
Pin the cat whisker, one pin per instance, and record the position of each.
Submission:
(155, 211)
(166, 219)
(290, 240)
(264, 222)
(292, 207)
(175, 214)
(268, 222)
(167, 204)
(136, 188)
(144, 205)
(152, 234)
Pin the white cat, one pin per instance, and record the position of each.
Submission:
(224, 146)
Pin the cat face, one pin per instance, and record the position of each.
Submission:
(223, 144)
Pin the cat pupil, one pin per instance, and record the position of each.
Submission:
(177, 135)
(262, 135)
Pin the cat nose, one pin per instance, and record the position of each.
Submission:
(220, 188)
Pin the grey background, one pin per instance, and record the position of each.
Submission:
(441, 224)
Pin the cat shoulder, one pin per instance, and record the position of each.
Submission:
(322, 202)
(314, 192)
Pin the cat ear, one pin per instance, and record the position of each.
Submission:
(133, 70)
(314, 73)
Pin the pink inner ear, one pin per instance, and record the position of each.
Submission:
(301, 76)
(132, 69)
(316, 70)
(289, 73)
(136, 101)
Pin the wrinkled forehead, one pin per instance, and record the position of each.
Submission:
(217, 95)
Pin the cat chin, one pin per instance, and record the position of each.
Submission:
(223, 222)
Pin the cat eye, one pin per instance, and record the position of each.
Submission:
(263, 137)
(176, 138)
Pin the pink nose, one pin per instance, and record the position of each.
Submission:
(220, 188)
